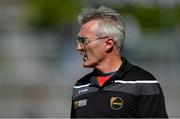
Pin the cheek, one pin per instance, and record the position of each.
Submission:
(95, 54)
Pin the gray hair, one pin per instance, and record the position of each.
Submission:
(111, 25)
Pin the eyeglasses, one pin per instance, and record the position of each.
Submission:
(85, 41)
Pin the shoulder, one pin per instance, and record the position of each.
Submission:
(141, 81)
(131, 72)
(84, 80)
(138, 73)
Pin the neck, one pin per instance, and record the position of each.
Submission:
(110, 64)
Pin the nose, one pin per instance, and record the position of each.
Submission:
(79, 47)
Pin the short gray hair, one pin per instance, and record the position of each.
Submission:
(112, 23)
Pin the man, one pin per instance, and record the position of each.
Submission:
(115, 88)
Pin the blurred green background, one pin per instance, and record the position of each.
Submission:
(39, 63)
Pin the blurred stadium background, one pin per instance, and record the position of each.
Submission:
(39, 63)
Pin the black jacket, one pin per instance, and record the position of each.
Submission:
(130, 92)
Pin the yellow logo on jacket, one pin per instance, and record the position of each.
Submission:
(80, 103)
(116, 103)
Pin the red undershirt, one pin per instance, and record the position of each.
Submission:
(102, 79)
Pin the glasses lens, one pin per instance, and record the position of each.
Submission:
(82, 40)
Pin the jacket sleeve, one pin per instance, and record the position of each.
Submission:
(151, 103)
(72, 111)
(73, 115)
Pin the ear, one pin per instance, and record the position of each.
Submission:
(109, 44)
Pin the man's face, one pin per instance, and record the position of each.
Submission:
(90, 46)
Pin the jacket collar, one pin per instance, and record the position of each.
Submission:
(125, 66)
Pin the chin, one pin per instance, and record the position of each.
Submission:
(88, 65)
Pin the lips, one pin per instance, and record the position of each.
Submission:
(84, 57)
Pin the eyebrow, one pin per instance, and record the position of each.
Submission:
(79, 37)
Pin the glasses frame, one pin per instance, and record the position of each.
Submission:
(85, 41)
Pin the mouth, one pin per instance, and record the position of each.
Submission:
(85, 58)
